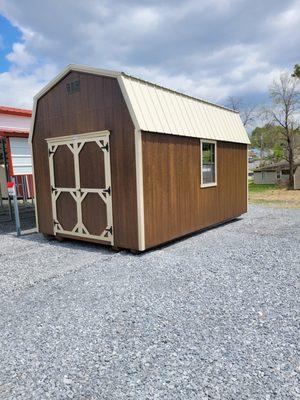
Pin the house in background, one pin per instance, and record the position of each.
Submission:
(277, 173)
(15, 155)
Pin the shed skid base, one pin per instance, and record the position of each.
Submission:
(135, 252)
(115, 249)
(48, 237)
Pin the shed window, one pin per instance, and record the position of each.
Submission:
(208, 163)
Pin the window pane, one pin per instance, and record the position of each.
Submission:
(208, 173)
(208, 163)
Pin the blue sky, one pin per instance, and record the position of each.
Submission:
(211, 49)
(8, 36)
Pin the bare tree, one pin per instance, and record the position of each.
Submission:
(247, 113)
(284, 112)
(235, 103)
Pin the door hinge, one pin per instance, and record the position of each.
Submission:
(108, 191)
(108, 231)
(106, 147)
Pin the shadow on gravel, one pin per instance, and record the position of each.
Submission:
(102, 249)
(194, 234)
(27, 218)
(67, 243)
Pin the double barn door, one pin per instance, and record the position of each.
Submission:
(81, 186)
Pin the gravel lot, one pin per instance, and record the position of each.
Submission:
(214, 316)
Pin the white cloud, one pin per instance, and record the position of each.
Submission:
(19, 56)
(18, 90)
(288, 19)
(208, 48)
(144, 18)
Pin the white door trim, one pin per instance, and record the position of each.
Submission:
(75, 144)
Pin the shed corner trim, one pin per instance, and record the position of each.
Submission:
(140, 189)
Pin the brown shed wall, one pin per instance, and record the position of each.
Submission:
(99, 105)
(174, 202)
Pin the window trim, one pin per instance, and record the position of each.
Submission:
(212, 184)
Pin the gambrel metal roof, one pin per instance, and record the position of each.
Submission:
(154, 108)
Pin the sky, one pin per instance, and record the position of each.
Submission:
(211, 49)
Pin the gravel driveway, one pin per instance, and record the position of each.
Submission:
(214, 316)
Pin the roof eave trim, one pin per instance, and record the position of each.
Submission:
(77, 68)
(128, 102)
(203, 137)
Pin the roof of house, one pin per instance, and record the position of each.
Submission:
(283, 164)
(154, 108)
(14, 122)
(7, 132)
(15, 111)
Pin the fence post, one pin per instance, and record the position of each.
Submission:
(11, 187)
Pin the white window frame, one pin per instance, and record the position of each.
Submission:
(205, 185)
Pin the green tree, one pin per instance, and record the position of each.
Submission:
(278, 152)
(267, 138)
(296, 73)
(284, 112)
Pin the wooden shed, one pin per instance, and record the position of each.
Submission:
(124, 162)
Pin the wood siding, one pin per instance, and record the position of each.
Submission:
(174, 202)
(99, 105)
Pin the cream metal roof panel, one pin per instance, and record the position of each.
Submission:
(206, 126)
(214, 121)
(198, 116)
(165, 111)
(168, 107)
(223, 124)
(226, 123)
(148, 108)
(186, 115)
(157, 109)
(177, 120)
(161, 110)
(233, 126)
(178, 108)
(191, 117)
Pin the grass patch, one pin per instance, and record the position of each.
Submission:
(255, 188)
(274, 195)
